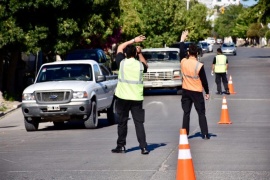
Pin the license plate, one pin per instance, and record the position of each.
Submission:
(53, 108)
(157, 84)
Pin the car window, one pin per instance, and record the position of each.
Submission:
(161, 55)
(65, 72)
(104, 70)
(96, 71)
(228, 45)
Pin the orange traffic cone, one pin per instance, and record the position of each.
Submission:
(230, 86)
(224, 116)
(185, 170)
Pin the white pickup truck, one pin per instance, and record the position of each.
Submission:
(70, 90)
(164, 69)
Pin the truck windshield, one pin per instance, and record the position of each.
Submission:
(65, 72)
(161, 55)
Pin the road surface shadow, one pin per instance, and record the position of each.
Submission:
(150, 147)
(199, 135)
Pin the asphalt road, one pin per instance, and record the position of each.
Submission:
(240, 150)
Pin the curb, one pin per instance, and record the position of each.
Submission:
(2, 114)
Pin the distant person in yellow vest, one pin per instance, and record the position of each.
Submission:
(129, 93)
(194, 82)
(220, 67)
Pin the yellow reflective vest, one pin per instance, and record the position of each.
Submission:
(220, 66)
(190, 73)
(130, 80)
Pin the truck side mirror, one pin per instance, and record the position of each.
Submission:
(100, 78)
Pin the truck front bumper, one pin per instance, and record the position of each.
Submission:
(32, 109)
(163, 84)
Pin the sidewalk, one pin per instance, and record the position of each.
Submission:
(8, 106)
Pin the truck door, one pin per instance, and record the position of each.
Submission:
(101, 89)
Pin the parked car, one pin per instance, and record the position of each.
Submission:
(210, 47)
(88, 54)
(70, 90)
(163, 68)
(219, 41)
(205, 47)
(210, 40)
(229, 49)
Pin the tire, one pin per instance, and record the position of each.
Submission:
(112, 116)
(92, 121)
(179, 91)
(31, 125)
(58, 124)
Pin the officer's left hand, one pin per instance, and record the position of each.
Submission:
(207, 96)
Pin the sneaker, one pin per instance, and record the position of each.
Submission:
(144, 151)
(227, 92)
(119, 149)
(219, 93)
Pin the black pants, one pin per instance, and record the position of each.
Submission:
(123, 107)
(188, 98)
(223, 77)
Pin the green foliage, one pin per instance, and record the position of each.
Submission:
(242, 22)
(262, 31)
(3, 108)
(225, 24)
(267, 35)
(253, 30)
(8, 97)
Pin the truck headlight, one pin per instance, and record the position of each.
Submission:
(80, 94)
(176, 75)
(28, 96)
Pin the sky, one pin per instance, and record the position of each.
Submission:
(249, 2)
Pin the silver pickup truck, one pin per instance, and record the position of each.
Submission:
(163, 68)
(69, 90)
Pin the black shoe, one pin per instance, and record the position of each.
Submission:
(206, 137)
(119, 149)
(227, 92)
(219, 93)
(144, 151)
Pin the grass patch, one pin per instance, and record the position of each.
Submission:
(3, 108)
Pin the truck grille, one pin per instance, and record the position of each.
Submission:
(153, 76)
(62, 96)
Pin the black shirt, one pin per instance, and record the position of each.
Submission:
(120, 56)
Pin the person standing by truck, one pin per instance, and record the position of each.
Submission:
(129, 93)
(194, 82)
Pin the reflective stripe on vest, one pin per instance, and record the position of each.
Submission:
(190, 71)
(122, 78)
(130, 80)
(220, 66)
(195, 72)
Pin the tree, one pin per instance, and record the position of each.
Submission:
(49, 26)
(226, 23)
(253, 32)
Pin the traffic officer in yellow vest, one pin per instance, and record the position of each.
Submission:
(129, 93)
(194, 82)
(220, 67)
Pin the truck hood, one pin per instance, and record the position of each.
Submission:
(163, 65)
(57, 85)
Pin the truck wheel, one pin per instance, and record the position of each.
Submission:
(31, 125)
(58, 124)
(179, 90)
(92, 121)
(112, 116)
